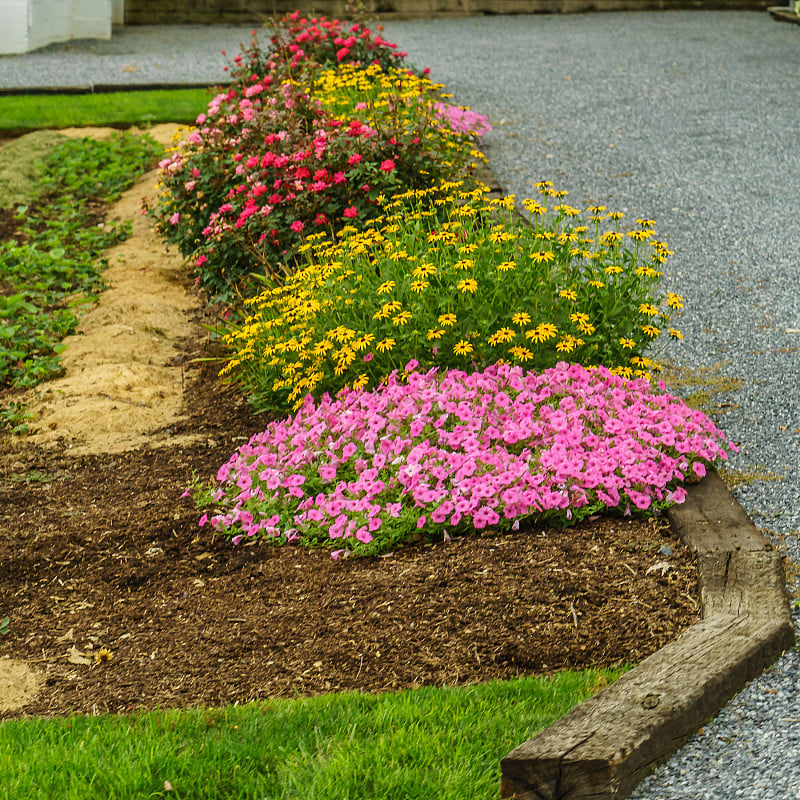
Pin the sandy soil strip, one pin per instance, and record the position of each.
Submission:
(119, 386)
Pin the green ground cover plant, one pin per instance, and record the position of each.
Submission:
(53, 267)
(21, 113)
(424, 743)
(20, 165)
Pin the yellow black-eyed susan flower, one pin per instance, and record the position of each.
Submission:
(521, 353)
(542, 332)
(468, 285)
(521, 318)
(532, 207)
(674, 300)
(501, 336)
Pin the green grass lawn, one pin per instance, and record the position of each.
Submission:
(422, 744)
(21, 113)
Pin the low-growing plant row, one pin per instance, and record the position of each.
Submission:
(53, 266)
(447, 452)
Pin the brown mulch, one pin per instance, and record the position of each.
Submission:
(8, 225)
(101, 552)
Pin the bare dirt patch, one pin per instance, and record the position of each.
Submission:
(97, 550)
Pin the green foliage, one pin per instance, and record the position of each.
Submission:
(299, 46)
(449, 280)
(427, 743)
(4, 626)
(20, 166)
(98, 168)
(14, 418)
(53, 268)
(271, 163)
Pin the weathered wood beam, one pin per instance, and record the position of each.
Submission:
(606, 745)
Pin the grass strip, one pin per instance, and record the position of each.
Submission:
(20, 113)
(424, 743)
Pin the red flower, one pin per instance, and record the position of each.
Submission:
(388, 165)
(351, 212)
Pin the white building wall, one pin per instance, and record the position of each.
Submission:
(29, 24)
(91, 19)
(14, 27)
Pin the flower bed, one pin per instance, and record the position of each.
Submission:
(452, 451)
(451, 280)
(301, 149)
(401, 315)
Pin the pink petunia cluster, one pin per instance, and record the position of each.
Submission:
(452, 451)
(462, 120)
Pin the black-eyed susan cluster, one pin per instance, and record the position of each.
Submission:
(451, 279)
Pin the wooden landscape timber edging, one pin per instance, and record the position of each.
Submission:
(784, 14)
(605, 746)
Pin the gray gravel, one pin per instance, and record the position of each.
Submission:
(688, 118)
(136, 55)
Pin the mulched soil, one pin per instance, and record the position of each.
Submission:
(101, 552)
(8, 225)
